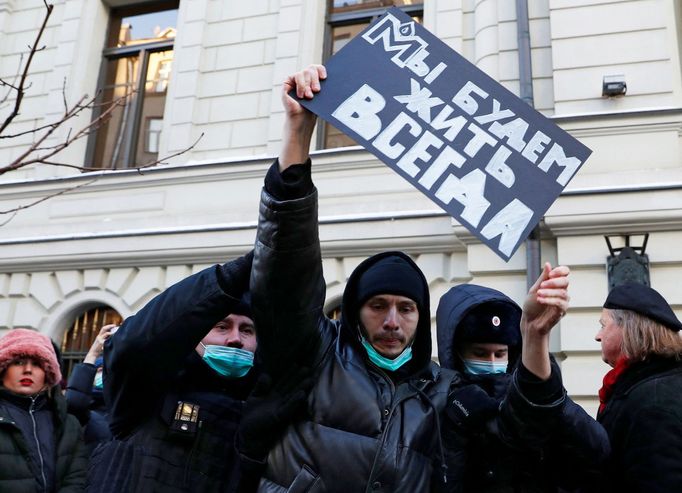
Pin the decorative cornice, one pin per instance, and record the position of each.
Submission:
(645, 113)
(199, 172)
(615, 223)
(627, 129)
(217, 228)
(213, 243)
(208, 255)
(631, 209)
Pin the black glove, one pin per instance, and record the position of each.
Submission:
(270, 408)
(470, 406)
(233, 276)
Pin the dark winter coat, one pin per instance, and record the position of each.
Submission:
(41, 446)
(87, 404)
(558, 446)
(366, 430)
(150, 367)
(643, 418)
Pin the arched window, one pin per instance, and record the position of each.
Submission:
(78, 339)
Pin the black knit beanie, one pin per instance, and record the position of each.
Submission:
(391, 275)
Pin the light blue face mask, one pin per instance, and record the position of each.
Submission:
(384, 362)
(477, 367)
(228, 362)
(99, 382)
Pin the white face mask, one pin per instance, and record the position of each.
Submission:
(478, 367)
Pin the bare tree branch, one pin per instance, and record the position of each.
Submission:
(66, 106)
(26, 157)
(15, 210)
(20, 89)
(139, 168)
(11, 87)
(171, 156)
(47, 197)
(45, 147)
(8, 219)
(80, 106)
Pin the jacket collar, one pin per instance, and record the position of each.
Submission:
(642, 371)
(24, 402)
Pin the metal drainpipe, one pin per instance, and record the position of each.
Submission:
(533, 258)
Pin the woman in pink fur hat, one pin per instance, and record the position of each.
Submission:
(41, 448)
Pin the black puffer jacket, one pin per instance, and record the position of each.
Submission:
(559, 446)
(150, 367)
(87, 404)
(367, 430)
(643, 418)
(41, 446)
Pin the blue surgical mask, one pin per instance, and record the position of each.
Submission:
(99, 382)
(384, 362)
(477, 367)
(228, 362)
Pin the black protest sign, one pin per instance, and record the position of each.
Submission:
(474, 148)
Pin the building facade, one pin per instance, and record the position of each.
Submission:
(213, 69)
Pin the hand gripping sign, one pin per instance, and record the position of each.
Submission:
(471, 146)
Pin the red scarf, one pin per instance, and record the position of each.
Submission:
(610, 380)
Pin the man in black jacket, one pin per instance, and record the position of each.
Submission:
(176, 378)
(640, 404)
(375, 409)
(479, 335)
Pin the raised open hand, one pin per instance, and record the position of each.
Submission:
(97, 347)
(547, 301)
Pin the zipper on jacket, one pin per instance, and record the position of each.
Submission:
(35, 437)
(382, 440)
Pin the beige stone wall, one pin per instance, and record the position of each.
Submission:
(124, 237)
(591, 39)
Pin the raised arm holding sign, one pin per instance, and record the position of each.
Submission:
(376, 415)
(299, 122)
(373, 413)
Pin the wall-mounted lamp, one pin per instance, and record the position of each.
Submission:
(627, 263)
(613, 85)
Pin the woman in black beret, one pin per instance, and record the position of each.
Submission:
(641, 399)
